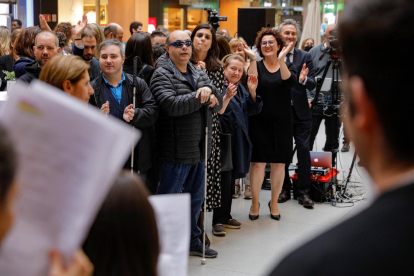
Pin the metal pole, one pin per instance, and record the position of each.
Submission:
(135, 61)
(203, 260)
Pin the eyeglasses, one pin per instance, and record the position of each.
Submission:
(180, 44)
(271, 43)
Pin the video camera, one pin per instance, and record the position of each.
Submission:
(214, 19)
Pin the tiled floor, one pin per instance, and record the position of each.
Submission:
(259, 245)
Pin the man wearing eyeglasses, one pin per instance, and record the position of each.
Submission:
(186, 100)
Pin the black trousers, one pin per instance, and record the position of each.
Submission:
(222, 214)
(301, 133)
(332, 141)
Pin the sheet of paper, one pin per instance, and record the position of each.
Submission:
(69, 155)
(173, 221)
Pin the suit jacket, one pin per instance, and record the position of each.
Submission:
(298, 92)
(235, 121)
(377, 241)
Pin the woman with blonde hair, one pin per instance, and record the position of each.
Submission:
(4, 42)
(70, 73)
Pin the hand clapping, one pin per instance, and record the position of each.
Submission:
(303, 73)
(231, 91)
(129, 113)
(284, 51)
(252, 83)
(105, 108)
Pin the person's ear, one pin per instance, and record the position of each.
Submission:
(123, 59)
(34, 48)
(59, 50)
(111, 35)
(67, 86)
(167, 48)
(363, 113)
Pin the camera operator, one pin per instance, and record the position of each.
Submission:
(324, 110)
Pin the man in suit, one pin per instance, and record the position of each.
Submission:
(379, 240)
(302, 118)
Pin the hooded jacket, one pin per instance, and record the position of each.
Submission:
(33, 72)
(18, 66)
(181, 126)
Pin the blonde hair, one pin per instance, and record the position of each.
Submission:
(235, 42)
(4, 41)
(61, 68)
(226, 60)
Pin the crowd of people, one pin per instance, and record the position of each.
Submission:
(195, 88)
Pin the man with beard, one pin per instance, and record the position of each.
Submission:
(46, 47)
(85, 45)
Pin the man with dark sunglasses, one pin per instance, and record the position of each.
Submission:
(186, 100)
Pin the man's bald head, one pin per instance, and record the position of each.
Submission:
(114, 31)
(173, 36)
(47, 34)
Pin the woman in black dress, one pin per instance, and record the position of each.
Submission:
(271, 131)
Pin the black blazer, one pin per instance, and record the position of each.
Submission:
(377, 241)
(6, 63)
(298, 93)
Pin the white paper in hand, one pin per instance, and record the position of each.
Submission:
(173, 220)
(69, 155)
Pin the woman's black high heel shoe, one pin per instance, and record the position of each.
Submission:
(277, 217)
(253, 217)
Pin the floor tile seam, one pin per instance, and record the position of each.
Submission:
(236, 271)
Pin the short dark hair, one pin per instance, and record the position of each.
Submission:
(66, 28)
(19, 22)
(62, 39)
(8, 163)
(110, 42)
(212, 60)
(157, 34)
(123, 240)
(365, 30)
(140, 45)
(110, 29)
(158, 49)
(134, 25)
(268, 31)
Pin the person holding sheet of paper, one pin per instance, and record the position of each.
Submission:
(116, 87)
(80, 264)
(46, 47)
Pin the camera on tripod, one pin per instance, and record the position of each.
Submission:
(214, 19)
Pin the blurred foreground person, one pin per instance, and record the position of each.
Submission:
(379, 240)
(80, 264)
(70, 73)
(123, 240)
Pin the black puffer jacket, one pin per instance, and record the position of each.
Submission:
(33, 72)
(144, 119)
(181, 126)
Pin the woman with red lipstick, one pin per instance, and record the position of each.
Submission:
(271, 131)
(205, 56)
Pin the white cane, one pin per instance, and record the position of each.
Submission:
(134, 83)
(203, 260)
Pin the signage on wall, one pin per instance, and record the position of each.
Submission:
(48, 17)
